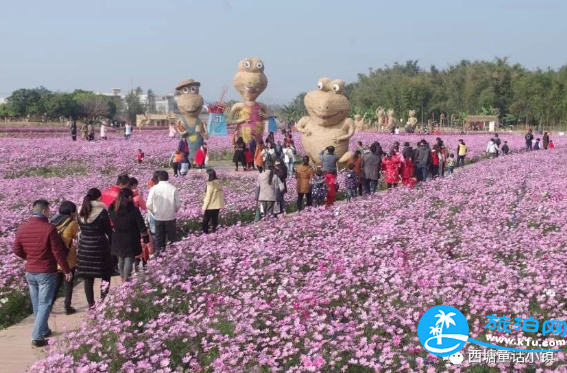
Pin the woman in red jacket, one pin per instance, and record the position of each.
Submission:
(435, 161)
(332, 186)
(201, 156)
(391, 164)
(407, 172)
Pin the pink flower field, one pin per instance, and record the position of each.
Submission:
(339, 290)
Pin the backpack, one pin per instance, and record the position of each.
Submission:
(60, 229)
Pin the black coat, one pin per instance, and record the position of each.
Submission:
(128, 227)
(93, 251)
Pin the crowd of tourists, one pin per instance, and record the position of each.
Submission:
(107, 235)
(120, 231)
(87, 129)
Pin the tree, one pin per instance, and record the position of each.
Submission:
(151, 104)
(27, 101)
(134, 106)
(92, 105)
(6, 111)
(444, 319)
(59, 105)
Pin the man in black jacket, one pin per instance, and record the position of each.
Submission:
(422, 160)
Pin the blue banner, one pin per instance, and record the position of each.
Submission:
(216, 125)
(272, 125)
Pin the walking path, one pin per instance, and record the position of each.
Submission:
(16, 351)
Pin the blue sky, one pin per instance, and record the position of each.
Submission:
(98, 45)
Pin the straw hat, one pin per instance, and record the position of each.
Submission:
(187, 83)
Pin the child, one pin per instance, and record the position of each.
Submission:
(318, 187)
(451, 161)
(551, 144)
(249, 157)
(351, 182)
(175, 160)
(201, 156)
(407, 171)
(140, 156)
(138, 200)
(505, 148)
(332, 188)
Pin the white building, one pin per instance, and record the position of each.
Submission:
(2, 100)
(164, 104)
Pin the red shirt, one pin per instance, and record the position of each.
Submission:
(109, 195)
(331, 181)
(434, 158)
(140, 156)
(38, 242)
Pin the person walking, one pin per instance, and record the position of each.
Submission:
(201, 156)
(318, 187)
(356, 160)
(172, 132)
(90, 130)
(423, 160)
(84, 131)
(213, 202)
(282, 172)
(329, 159)
(304, 174)
(184, 146)
(238, 157)
(332, 188)
(102, 131)
(127, 131)
(461, 153)
(38, 243)
(288, 158)
(498, 142)
(73, 130)
(391, 164)
(371, 165)
(351, 182)
(252, 147)
(492, 149)
(93, 251)
(66, 224)
(164, 203)
(175, 161)
(267, 188)
(110, 194)
(545, 140)
(529, 140)
(129, 229)
(268, 153)
(259, 156)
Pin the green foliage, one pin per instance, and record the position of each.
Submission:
(151, 104)
(134, 106)
(516, 94)
(40, 102)
(293, 111)
(15, 307)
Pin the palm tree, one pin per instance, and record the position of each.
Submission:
(435, 330)
(444, 320)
